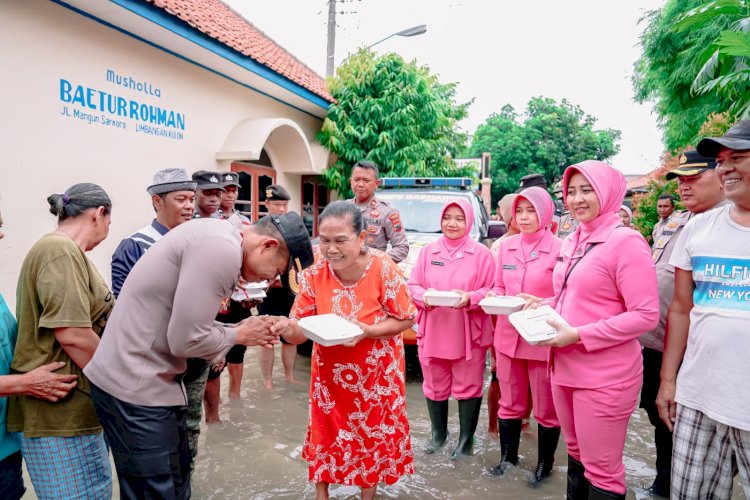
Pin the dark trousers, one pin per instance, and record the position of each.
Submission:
(149, 445)
(11, 477)
(651, 381)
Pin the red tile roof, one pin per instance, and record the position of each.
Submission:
(219, 21)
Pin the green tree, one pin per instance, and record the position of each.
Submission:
(670, 61)
(724, 70)
(394, 113)
(548, 137)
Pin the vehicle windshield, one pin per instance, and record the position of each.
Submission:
(420, 212)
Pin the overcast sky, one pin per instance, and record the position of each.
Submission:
(498, 51)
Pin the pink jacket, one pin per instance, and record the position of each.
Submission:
(444, 332)
(611, 295)
(513, 276)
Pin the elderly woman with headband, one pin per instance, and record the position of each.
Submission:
(605, 288)
(525, 265)
(62, 307)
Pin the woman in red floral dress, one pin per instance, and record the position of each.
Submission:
(357, 433)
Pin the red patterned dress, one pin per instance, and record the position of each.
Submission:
(357, 431)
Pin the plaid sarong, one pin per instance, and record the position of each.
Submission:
(68, 467)
(706, 456)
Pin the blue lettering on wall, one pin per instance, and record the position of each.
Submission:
(152, 117)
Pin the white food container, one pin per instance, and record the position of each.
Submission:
(532, 324)
(329, 329)
(250, 291)
(501, 304)
(442, 299)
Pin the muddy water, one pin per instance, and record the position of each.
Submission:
(255, 452)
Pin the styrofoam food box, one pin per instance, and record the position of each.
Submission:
(329, 329)
(442, 299)
(532, 324)
(501, 304)
(250, 291)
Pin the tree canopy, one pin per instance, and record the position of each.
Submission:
(545, 139)
(671, 60)
(394, 113)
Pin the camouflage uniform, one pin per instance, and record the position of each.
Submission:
(567, 225)
(383, 224)
(195, 385)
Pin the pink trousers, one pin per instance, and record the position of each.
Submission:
(458, 377)
(515, 377)
(594, 423)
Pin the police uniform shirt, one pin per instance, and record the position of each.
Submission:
(664, 243)
(567, 225)
(383, 224)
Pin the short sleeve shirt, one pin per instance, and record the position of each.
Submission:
(58, 287)
(713, 375)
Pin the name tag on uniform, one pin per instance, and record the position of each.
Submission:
(509, 267)
(437, 263)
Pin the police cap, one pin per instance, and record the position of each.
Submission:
(208, 180)
(691, 163)
(230, 179)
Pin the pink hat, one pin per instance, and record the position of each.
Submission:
(541, 201)
(608, 183)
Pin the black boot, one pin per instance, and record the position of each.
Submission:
(578, 485)
(438, 411)
(661, 486)
(548, 438)
(510, 436)
(468, 417)
(600, 494)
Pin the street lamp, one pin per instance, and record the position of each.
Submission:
(416, 30)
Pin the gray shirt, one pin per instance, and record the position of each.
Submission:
(165, 314)
(664, 242)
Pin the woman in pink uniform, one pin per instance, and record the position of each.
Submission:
(452, 342)
(605, 288)
(525, 264)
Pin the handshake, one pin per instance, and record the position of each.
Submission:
(263, 330)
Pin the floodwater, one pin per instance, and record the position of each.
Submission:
(255, 452)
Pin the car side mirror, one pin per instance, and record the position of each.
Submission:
(496, 229)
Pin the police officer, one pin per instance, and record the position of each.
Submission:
(382, 221)
(664, 208)
(207, 204)
(700, 190)
(208, 194)
(230, 181)
(566, 223)
(279, 299)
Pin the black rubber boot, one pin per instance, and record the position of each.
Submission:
(438, 411)
(510, 437)
(578, 485)
(600, 494)
(661, 486)
(468, 417)
(548, 438)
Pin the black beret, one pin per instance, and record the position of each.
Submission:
(531, 180)
(276, 192)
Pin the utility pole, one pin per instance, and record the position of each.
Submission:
(331, 37)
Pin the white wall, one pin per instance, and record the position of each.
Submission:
(42, 152)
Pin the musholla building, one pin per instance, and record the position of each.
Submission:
(110, 91)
